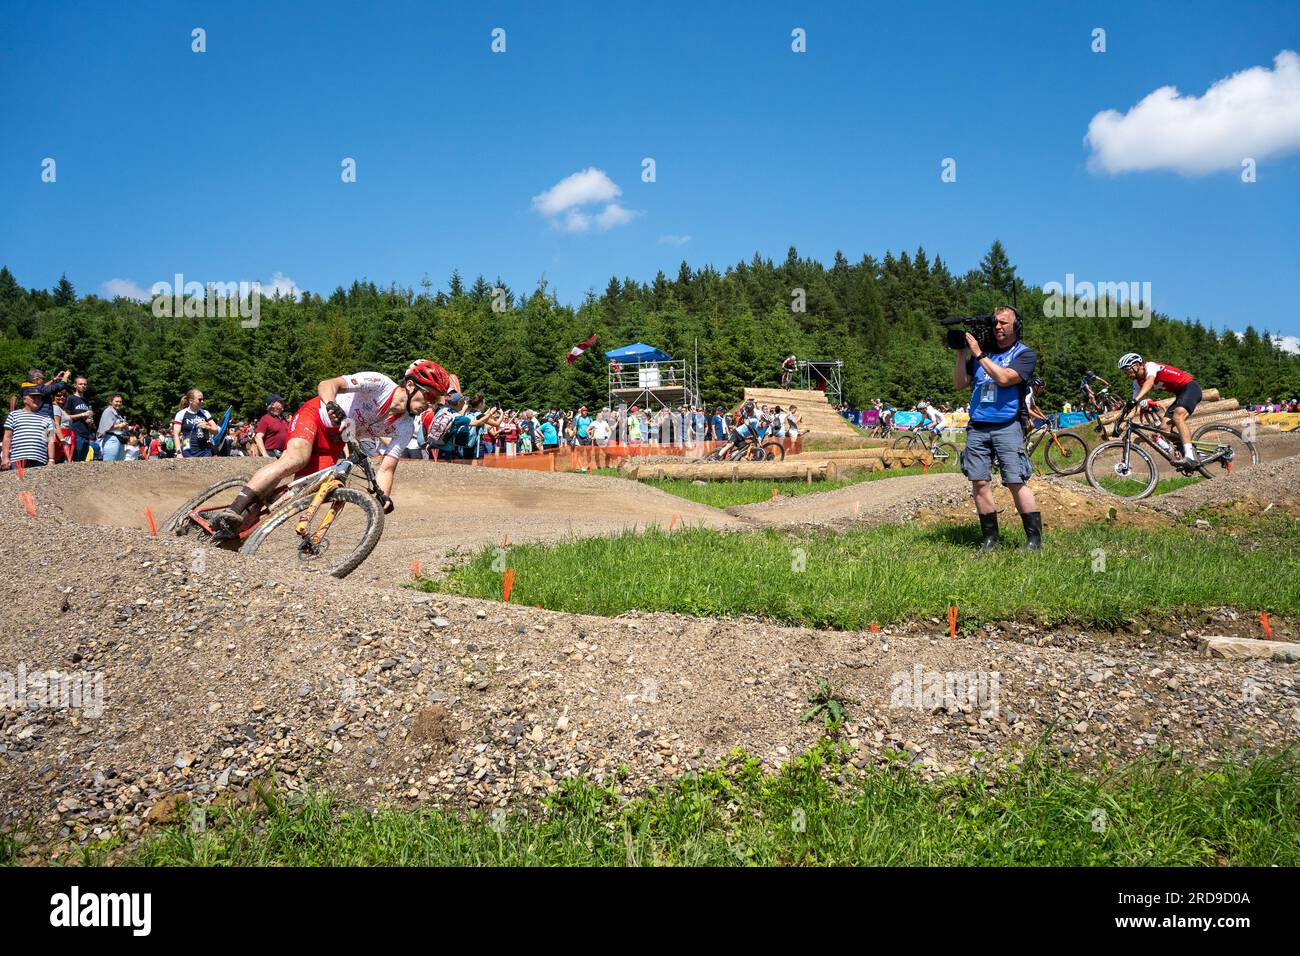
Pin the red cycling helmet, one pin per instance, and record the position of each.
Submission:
(429, 376)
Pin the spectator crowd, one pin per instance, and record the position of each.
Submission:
(52, 422)
(1272, 405)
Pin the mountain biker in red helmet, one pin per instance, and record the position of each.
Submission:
(364, 405)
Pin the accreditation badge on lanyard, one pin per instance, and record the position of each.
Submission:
(989, 390)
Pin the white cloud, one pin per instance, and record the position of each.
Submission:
(561, 204)
(1254, 113)
(126, 289)
(614, 215)
(591, 185)
(281, 284)
(671, 240)
(574, 221)
(1288, 343)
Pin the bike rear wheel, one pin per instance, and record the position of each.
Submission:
(1107, 471)
(213, 497)
(945, 454)
(1240, 454)
(352, 535)
(1065, 454)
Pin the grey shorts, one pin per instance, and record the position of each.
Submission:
(1004, 442)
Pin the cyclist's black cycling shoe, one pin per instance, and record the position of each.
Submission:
(989, 528)
(228, 521)
(1033, 522)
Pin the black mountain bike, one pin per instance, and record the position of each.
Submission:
(1096, 402)
(1125, 469)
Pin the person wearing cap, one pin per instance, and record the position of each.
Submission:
(633, 426)
(43, 391)
(583, 425)
(272, 432)
(550, 435)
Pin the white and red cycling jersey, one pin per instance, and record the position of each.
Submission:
(1167, 377)
(367, 400)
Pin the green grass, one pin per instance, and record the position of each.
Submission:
(1156, 812)
(850, 579)
(726, 494)
(1163, 485)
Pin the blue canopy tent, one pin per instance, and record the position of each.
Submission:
(638, 352)
(643, 375)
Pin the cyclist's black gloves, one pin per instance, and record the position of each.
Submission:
(387, 502)
(336, 413)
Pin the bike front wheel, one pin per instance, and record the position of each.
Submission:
(1132, 475)
(356, 520)
(773, 451)
(905, 443)
(1065, 454)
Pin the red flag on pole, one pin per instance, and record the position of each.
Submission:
(575, 353)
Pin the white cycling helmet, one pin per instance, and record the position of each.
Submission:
(1129, 359)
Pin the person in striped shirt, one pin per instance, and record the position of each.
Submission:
(28, 435)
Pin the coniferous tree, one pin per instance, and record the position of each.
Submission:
(64, 293)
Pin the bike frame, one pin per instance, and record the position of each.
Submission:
(318, 484)
(1036, 435)
(1135, 432)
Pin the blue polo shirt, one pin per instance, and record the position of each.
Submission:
(992, 404)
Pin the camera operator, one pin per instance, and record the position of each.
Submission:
(998, 377)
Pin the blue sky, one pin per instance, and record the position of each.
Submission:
(225, 165)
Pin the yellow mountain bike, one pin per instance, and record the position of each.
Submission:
(317, 522)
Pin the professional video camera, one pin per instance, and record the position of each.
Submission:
(980, 326)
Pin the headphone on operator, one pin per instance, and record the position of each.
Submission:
(1020, 326)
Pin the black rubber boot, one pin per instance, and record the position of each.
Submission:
(1033, 522)
(989, 528)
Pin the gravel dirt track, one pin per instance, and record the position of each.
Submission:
(440, 510)
(218, 676)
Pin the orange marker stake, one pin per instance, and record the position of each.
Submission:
(875, 628)
(952, 623)
(1268, 631)
(505, 539)
(672, 521)
(26, 499)
(775, 494)
(153, 526)
(19, 466)
(507, 584)
(415, 569)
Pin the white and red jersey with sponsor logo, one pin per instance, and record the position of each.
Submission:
(368, 400)
(1167, 377)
